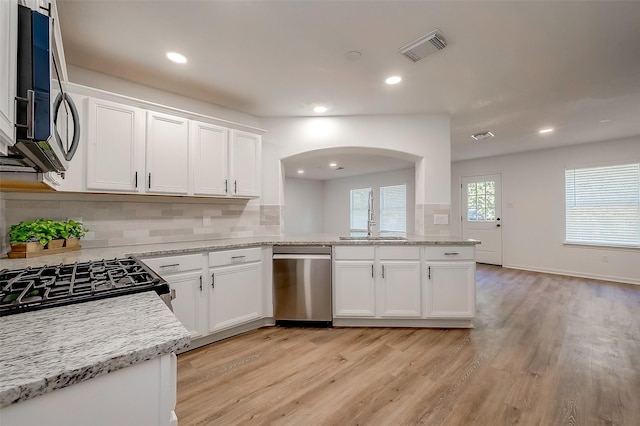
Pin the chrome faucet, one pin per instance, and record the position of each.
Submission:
(370, 218)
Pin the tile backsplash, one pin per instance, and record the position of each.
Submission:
(115, 220)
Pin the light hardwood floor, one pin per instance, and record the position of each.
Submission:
(546, 350)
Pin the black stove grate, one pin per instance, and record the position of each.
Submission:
(29, 289)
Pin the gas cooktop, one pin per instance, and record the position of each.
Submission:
(23, 290)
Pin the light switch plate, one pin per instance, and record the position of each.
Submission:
(440, 219)
(206, 221)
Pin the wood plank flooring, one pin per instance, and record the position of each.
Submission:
(546, 350)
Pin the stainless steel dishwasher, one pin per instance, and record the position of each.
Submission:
(302, 286)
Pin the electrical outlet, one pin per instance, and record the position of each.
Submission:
(440, 219)
(206, 221)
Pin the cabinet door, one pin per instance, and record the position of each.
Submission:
(210, 159)
(188, 306)
(400, 287)
(167, 154)
(451, 289)
(246, 160)
(235, 296)
(354, 289)
(115, 142)
(8, 62)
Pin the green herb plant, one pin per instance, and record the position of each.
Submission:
(44, 230)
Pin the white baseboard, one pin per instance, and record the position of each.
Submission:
(624, 280)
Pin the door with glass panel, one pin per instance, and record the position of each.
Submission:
(481, 213)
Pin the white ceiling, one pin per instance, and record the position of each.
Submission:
(510, 67)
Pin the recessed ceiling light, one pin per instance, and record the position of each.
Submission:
(300, 172)
(176, 57)
(393, 80)
(353, 56)
(549, 130)
(320, 109)
(482, 136)
(606, 120)
(333, 164)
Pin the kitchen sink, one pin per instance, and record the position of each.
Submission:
(366, 238)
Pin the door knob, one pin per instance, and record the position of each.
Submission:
(498, 226)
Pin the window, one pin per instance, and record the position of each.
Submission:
(602, 205)
(393, 209)
(481, 201)
(359, 208)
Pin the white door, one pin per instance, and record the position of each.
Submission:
(189, 304)
(235, 295)
(451, 290)
(209, 158)
(481, 214)
(115, 143)
(354, 289)
(246, 160)
(167, 154)
(401, 289)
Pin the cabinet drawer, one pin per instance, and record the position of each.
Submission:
(399, 253)
(450, 253)
(228, 257)
(353, 253)
(174, 264)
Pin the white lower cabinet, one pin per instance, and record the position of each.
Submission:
(185, 276)
(354, 289)
(370, 282)
(451, 289)
(235, 296)
(400, 288)
(142, 394)
(450, 282)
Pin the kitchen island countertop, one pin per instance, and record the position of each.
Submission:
(49, 349)
(173, 248)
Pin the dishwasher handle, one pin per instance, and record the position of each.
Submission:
(301, 256)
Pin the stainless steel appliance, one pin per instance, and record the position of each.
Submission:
(29, 289)
(302, 286)
(39, 147)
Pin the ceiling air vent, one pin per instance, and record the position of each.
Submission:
(424, 46)
(482, 136)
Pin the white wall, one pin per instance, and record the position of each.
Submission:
(304, 209)
(109, 83)
(533, 210)
(336, 197)
(426, 136)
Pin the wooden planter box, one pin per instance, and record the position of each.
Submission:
(35, 249)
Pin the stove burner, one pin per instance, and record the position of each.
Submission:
(28, 289)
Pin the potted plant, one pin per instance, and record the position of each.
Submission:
(75, 231)
(23, 237)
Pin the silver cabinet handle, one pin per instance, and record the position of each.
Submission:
(238, 257)
(451, 253)
(372, 271)
(200, 282)
(226, 189)
(170, 266)
(149, 180)
(136, 181)
(213, 280)
(235, 186)
(382, 271)
(429, 272)
(31, 113)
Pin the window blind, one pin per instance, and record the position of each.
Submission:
(393, 208)
(359, 207)
(603, 205)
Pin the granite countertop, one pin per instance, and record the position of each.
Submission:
(173, 248)
(45, 350)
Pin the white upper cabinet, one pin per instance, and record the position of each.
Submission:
(167, 154)
(115, 147)
(245, 160)
(8, 63)
(210, 159)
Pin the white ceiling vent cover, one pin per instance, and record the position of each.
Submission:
(482, 136)
(424, 46)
